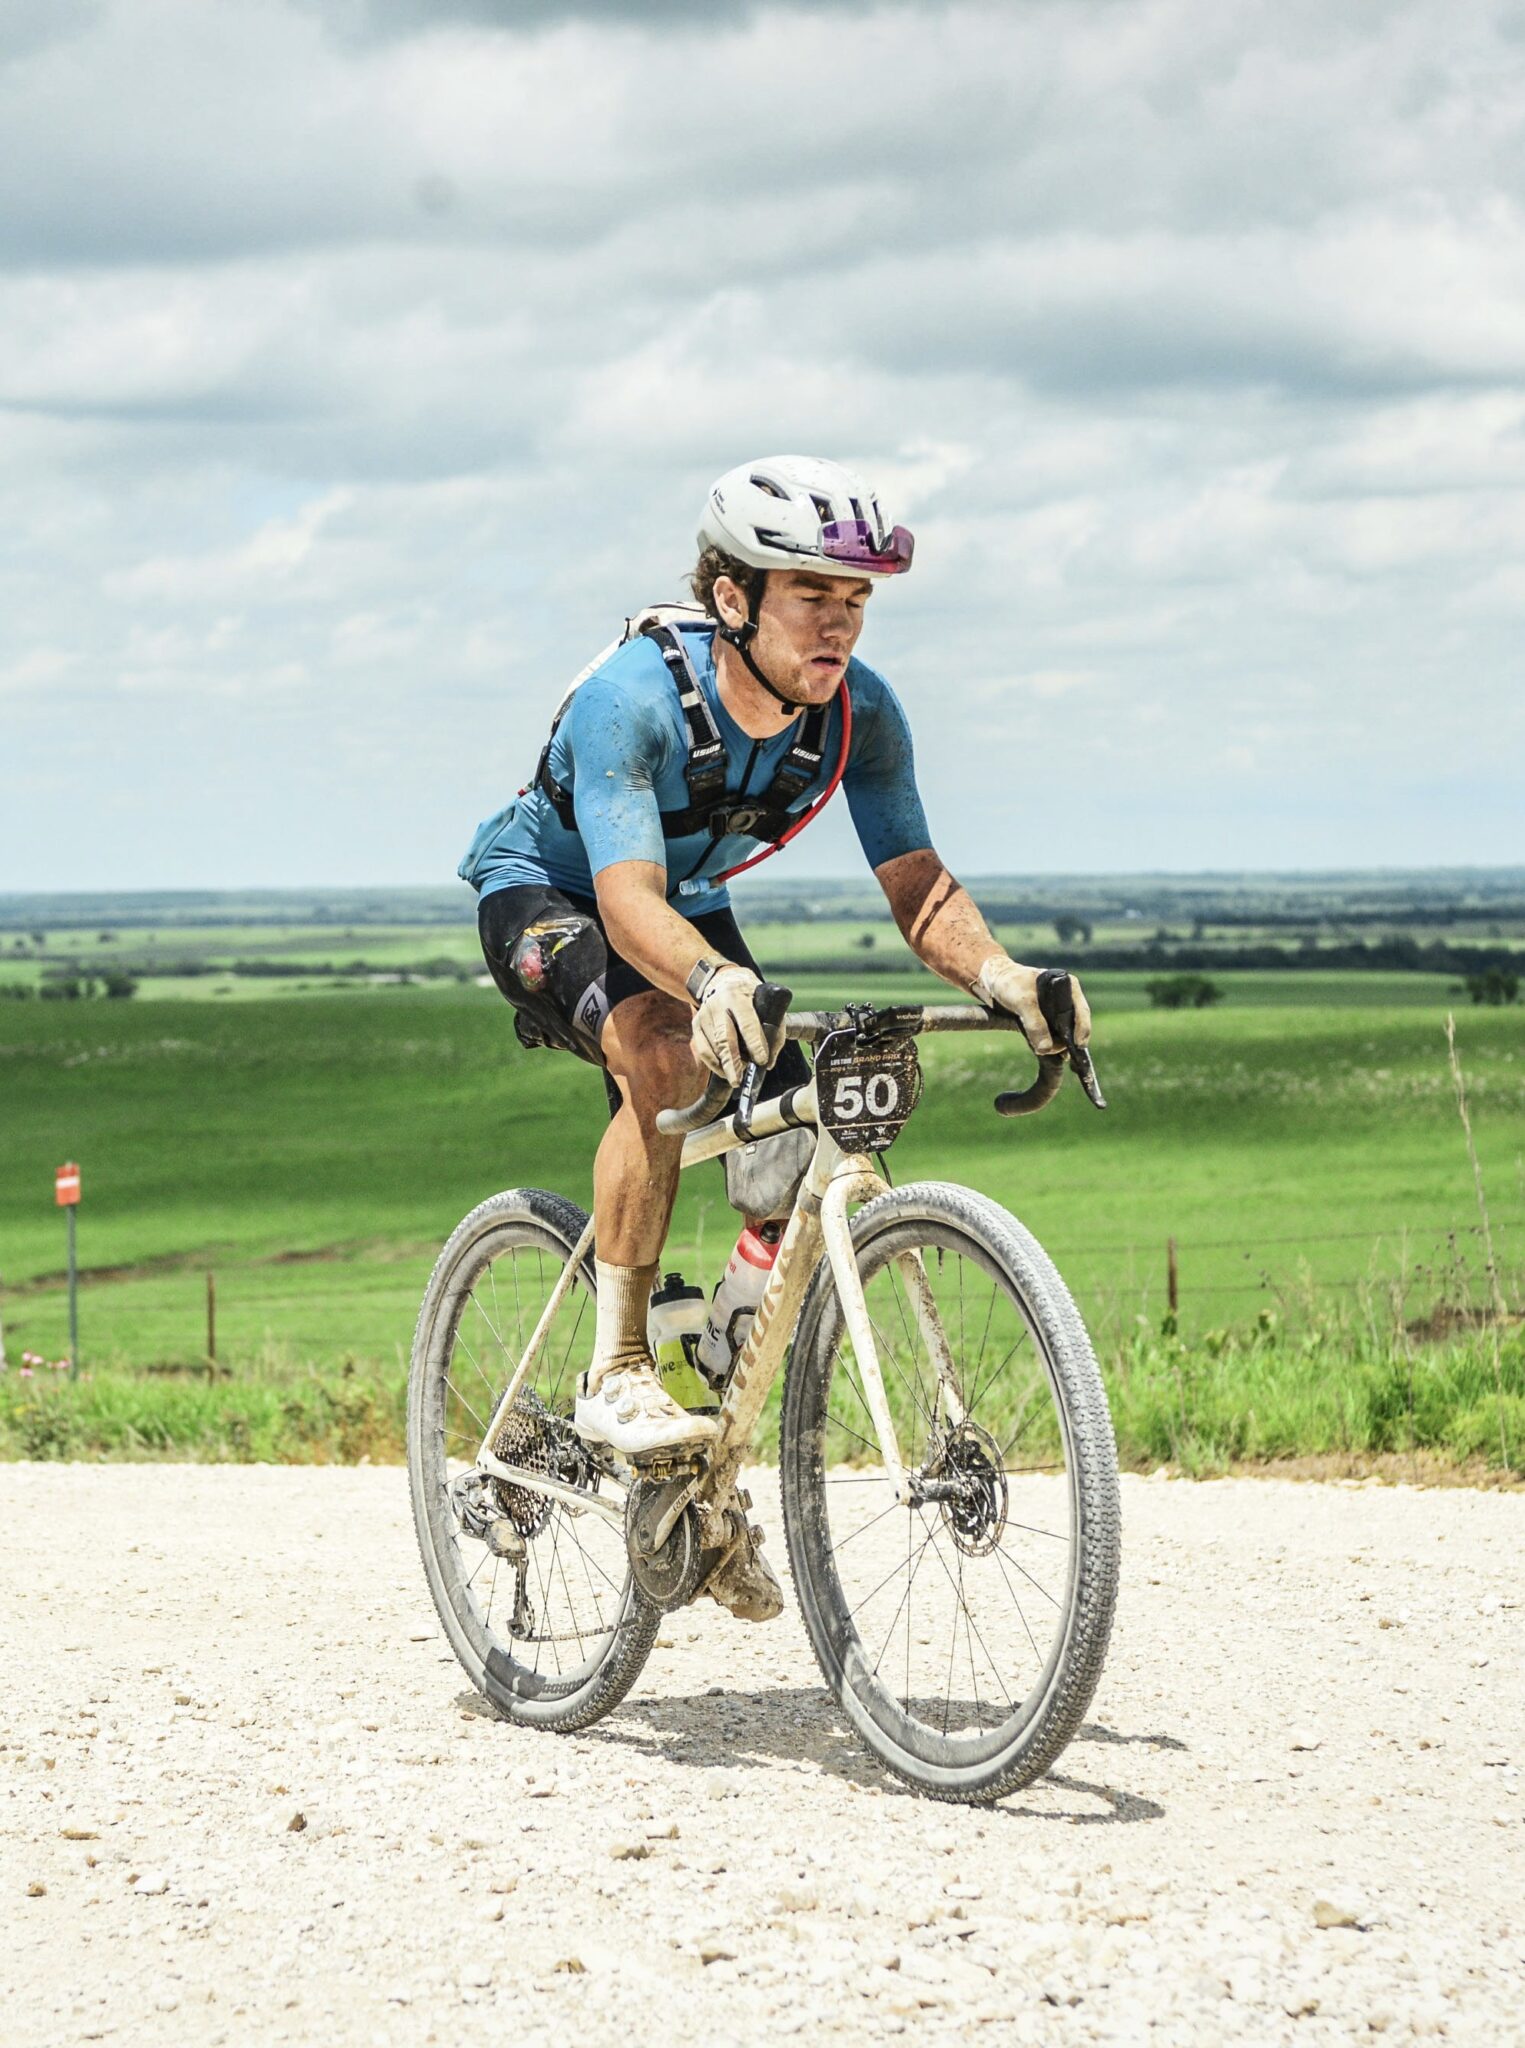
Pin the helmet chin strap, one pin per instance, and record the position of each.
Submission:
(741, 638)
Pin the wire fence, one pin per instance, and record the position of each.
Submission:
(191, 1315)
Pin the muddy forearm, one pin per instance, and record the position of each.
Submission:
(938, 918)
(643, 926)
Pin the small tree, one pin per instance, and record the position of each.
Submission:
(1071, 930)
(1183, 992)
(1496, 987)
(865, 942)
(119, 987)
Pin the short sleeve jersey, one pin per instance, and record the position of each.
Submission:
(621, 751)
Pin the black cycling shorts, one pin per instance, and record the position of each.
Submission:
(552, 959)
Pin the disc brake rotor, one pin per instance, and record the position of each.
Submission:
(975, 1513)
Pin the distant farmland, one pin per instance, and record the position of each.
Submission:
(311, 1147)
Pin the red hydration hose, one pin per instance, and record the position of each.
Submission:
(821, 801)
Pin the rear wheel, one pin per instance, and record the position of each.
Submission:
(534, 1591)
(964, 1634)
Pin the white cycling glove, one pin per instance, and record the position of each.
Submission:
(727, 1031)
(1007, 985)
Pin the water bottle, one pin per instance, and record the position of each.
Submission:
(674, 1324)
(736, 1298)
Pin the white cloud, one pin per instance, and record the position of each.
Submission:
(359, 364)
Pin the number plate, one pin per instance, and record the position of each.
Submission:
(866, 1091)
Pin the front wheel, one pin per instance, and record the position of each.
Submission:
(963, 1634)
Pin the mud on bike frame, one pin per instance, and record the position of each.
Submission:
(865, 1085)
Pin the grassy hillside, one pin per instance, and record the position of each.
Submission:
(313, 1152)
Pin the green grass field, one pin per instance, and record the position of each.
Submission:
(1301, 1144)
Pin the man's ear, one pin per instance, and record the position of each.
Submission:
(730, 601)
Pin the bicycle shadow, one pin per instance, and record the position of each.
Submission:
(749, 1731)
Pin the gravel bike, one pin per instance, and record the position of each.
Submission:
(947, 1464)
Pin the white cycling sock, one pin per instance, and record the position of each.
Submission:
(624, 1298)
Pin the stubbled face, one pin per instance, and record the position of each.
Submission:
(807, 627)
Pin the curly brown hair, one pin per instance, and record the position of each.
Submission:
(714, 563)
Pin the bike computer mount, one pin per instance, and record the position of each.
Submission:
(867, 1081)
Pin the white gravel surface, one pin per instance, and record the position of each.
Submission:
(249, 1797)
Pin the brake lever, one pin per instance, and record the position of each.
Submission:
(772, 1006)
(1056, 999)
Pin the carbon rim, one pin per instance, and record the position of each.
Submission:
(948, 1618)
(545, 1616)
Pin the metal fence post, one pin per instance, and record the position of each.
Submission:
(73, 1300)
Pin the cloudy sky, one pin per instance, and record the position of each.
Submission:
(362, 362)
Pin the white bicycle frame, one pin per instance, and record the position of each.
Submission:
(834, 1182)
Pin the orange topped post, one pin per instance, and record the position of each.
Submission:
(66, 1195)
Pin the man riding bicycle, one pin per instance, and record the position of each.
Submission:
(604, 914)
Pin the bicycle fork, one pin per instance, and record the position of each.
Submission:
(855, 1180)
(821, 1221)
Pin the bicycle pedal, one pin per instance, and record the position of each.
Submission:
(661, 1466)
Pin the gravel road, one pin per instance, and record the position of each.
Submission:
(249, 1797)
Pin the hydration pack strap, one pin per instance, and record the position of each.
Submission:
(705, 769)
(764, 816)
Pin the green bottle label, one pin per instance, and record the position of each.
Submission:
(688, 1387)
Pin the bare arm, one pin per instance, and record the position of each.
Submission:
(942, 925)
(938, 918)
(643, 926)
(650, 934)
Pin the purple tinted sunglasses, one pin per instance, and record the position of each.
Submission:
(851, 542)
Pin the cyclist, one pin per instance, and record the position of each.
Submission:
(604, 915)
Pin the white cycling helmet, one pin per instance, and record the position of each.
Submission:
(802, 512)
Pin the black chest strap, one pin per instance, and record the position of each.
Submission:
(765, 816)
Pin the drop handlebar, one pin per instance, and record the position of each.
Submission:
(902, 1020)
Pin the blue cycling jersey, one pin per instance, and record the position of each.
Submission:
(621, 751)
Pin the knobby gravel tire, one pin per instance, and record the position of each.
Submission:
(1056, 1706)
(522, 1217)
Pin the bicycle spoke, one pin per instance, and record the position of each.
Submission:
(913, 1340)
(496, 1334)
(956, 1644)
(863, 1531)
(471, 1355)
(963, 1605)
(994, 1375)
(904, 1598)
(984, 1340)
(481, 1425)
(573, 1597)
(882, 1584)
(1021, 1611)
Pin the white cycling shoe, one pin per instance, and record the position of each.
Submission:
(633, 1413)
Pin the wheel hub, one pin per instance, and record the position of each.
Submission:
(975, 1501)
